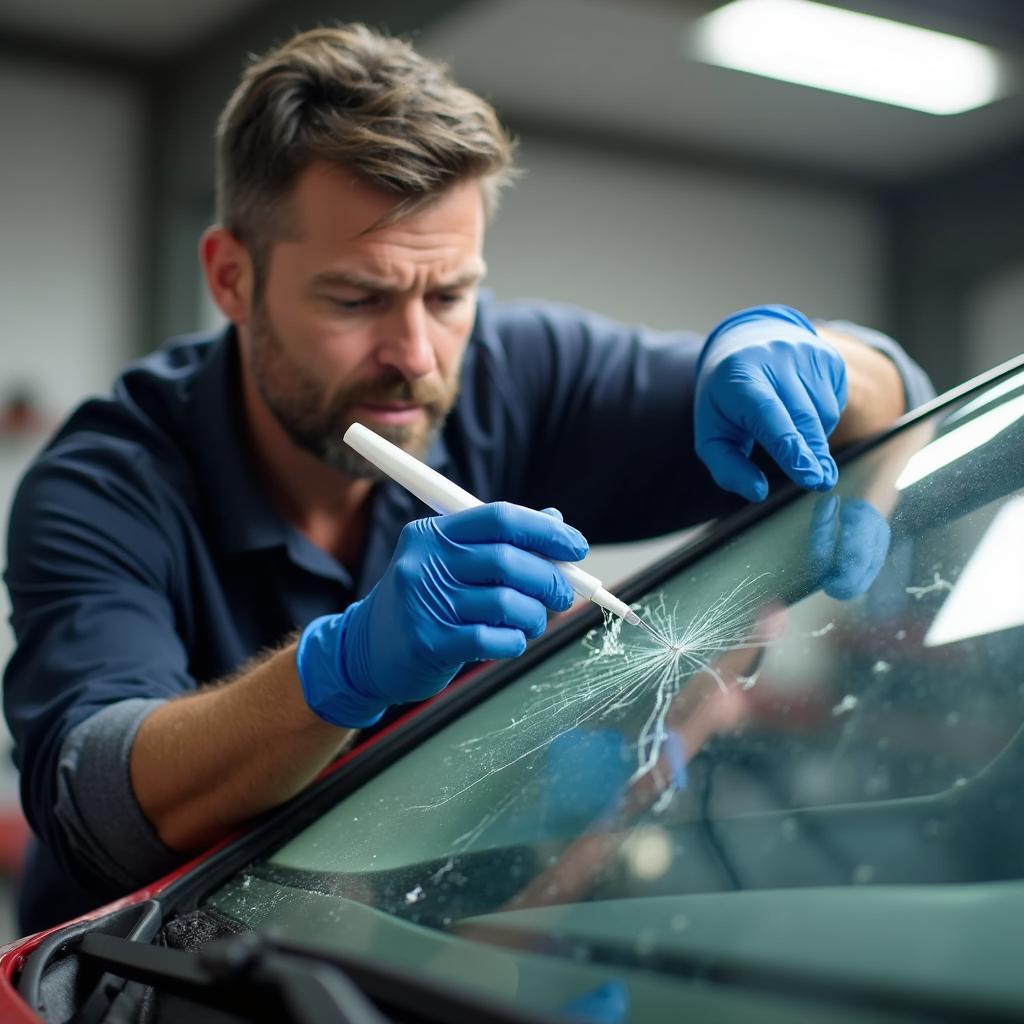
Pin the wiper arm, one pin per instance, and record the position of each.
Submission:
(240, 974)
(269, 978)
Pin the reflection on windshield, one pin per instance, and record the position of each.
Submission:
(841, 709)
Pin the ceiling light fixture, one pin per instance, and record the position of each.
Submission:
(856, 54)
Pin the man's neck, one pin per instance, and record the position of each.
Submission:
(326, 506)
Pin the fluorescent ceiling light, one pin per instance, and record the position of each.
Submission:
(989, 595)
(856, 54)
(956, 443)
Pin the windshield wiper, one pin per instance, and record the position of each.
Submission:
(267, 978)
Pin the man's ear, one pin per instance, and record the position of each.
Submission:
(228, 269)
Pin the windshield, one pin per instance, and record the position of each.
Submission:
(820, 778)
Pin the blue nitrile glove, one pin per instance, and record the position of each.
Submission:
(847, 544)
(464, 587)
(764, 375)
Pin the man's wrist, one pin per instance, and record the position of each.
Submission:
(327, 685)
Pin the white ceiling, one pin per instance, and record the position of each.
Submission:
(619, 65)
(616, 68)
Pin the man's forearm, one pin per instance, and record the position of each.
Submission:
(875, 395)
(203, 764)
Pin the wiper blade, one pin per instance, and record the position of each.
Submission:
(273, 979)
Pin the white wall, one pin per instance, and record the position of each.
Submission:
(70, 160)
(995, 320)
(69, 208)
(670, 247)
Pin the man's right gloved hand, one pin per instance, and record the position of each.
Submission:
(464, 587)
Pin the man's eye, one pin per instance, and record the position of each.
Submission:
(350, 305)
(448, 298)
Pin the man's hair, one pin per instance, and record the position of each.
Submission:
(360, 100)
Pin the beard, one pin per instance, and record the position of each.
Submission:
(316, 418)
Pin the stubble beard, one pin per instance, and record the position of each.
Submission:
(316, 420)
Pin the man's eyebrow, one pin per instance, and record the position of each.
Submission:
(346, 278)
(464, 279)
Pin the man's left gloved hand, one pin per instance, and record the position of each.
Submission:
(764, 375)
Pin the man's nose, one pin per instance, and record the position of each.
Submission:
(405, 343)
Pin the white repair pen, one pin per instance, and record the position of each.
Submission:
(444, 496)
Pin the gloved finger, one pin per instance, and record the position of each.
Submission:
(506, 566)
(795, 394)
(767, 418)
(806, 415)
(825, 393)
(501, 606)
(552, 511)
(503, 522)
(732, 470)
(481, 643)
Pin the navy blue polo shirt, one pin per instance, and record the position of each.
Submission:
(145, 558)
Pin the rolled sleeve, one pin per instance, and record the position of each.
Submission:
(91, 577)
(96, 806)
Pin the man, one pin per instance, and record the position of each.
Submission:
(211, 592)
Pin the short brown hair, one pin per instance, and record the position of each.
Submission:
(358, 99)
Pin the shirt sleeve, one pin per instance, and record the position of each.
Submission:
(96, 809)
(90, 573)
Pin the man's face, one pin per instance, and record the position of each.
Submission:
(365, 327)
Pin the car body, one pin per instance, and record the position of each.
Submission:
(806, 809)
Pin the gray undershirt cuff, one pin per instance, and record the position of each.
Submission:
(96, 805)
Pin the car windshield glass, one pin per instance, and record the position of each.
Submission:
(821, 777)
